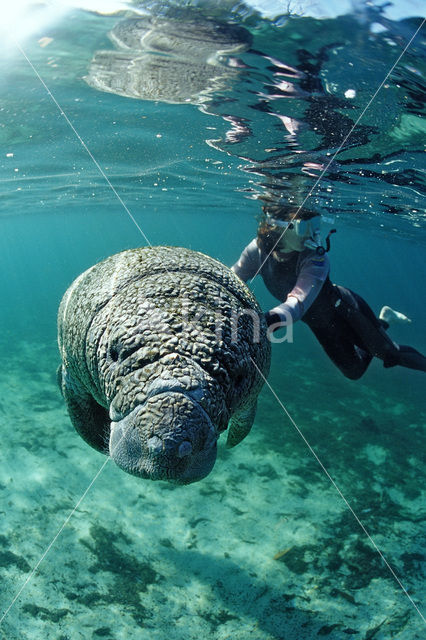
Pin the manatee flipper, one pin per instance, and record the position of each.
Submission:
(89, 418)
(240, 424)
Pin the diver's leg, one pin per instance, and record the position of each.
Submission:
(406, 356)
(373, 337)
(369, 330)
(338, 341)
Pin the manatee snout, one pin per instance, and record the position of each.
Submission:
(170, 436)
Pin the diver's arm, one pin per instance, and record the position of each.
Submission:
(313, 272)
(248, 263)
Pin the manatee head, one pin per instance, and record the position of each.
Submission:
(170, 358)
(171, 385)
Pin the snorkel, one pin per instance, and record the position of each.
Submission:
(320, 250)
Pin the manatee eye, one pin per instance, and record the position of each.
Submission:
(116, 354)
(113, 354)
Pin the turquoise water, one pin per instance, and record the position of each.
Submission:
(264, 547)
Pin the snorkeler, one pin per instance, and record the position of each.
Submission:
(288, 254)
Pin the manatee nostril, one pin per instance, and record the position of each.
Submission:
(185, 448)
(155, 445)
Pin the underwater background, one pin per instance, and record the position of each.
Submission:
(265, 547)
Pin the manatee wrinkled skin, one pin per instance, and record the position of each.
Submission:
(159, 356)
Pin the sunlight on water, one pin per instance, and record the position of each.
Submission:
(170, 123)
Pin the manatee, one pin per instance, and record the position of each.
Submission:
(162, 349)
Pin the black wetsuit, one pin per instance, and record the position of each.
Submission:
(341, 320)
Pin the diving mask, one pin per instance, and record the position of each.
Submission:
(298, 234)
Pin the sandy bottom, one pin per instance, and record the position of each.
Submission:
(263, 548)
